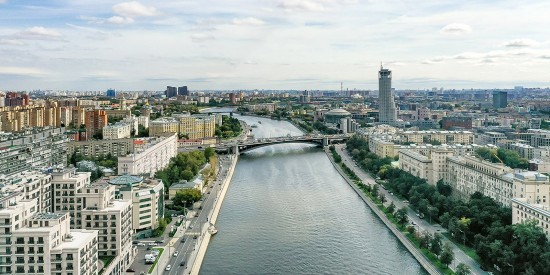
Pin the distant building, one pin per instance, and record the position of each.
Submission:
(388, 112)
(452, 123)
(335, 116)
(500, 99)
(152, 155)
(183, 91)
(117, 131)
(171, 91)
(233, 98)
(101, 148)
(111, 93)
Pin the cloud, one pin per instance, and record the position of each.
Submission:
(134, 9)
(301, 5)
(456, 29)
(519, 43)
(249, 21)
(490, 56)
(119, 20)
(201, 37)
(39, 33)
(14, 42)
(26, 71)
(3, 1)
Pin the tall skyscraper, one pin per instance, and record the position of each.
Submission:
(387, 110)
(500, 99)
(171, 91)
(183, 91)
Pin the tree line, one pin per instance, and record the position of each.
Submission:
(184, 166)
(480, 222)
(508, 157)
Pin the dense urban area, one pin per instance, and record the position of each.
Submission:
(108, 182)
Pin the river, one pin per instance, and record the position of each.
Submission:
(288, 211)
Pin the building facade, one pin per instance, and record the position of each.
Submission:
(100, 148)
(388, 112)
(148, 158)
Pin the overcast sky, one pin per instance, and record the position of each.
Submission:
(272, 44)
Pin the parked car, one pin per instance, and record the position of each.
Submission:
(182, 263)
(168, 267)
(176, 254)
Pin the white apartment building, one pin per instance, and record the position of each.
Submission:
(148, 158)
(48, 246)
(416, 164)
(531, 186)
(99, 148)
(489, 138)
(66, 185)
(539, 138)
(113, 220)
(31, 185)
(117, 131)
(523, 211)
(147, 196)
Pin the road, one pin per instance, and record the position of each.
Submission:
(189, 235)
(421, 224)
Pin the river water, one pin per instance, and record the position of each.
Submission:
(288, 211)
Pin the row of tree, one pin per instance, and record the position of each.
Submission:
(184, 166)
(480, 222)
(508, 157)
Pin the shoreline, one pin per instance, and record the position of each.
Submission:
(420, 258)
(199, 258)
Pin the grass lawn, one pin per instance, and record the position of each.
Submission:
(156, 260)
(468, 250)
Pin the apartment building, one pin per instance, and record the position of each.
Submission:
(95, 121)
(118, 130)
(443, 137)
(32, 149)
(489, 138)
(192, 126)
(468, 174)
(147, 196)
(522, 212)
(31, 185)
(99, 148)
(150, 155)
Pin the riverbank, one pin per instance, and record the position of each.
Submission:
(213, 217)
(418, 255)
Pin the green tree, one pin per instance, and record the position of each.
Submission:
(401, 216)
(391, 207)
(435, 244)
(462, 269)
(447, 256)
(382, 198)
(209, 152)
(374, 190)
(187, 197)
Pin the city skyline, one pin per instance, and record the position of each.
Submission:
(279, 44)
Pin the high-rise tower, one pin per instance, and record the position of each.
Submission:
(387, 110)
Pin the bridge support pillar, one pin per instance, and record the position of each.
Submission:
(325, 141)
(236, 150)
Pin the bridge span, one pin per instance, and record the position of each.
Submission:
(251, 144)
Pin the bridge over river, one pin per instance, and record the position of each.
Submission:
(251, 144)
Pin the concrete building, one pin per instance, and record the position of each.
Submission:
(171, 91)
(489, 138)
(388, 112)
(453, 123)
(66, 185)
(151, 155)
(192, 126)
(99, 148)
(147, 196)
(118, 130)
(443, 137)
(335, 116)
(532, 186)
(163, 126)
(539, 138)
(416, 164)
(32, 185)
(522, 212)
(33, 149)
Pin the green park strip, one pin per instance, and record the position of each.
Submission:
(160, 250)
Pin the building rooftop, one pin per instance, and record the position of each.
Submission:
(47, 216)
(79, 238)
(126, 180)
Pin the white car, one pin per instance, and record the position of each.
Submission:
(168, 267)
(175, 254)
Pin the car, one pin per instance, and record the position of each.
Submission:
(130, 270)
(182, 263)
(142, 273)
(182, 240)
(140, 244)
(168, 267)
(391, 193)
(151, 244)
(148, 248)
(405, 201)
(176, 254)
(413, 223)
(195, 237)
(197, 214)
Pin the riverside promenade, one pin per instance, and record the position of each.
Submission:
(212, 217)
(418, 255)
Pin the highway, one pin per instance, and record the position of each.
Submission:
(421, 224)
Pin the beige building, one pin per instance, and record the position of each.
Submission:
(99, 148)
(443, 137)
(382, 148)
(31, 185)
(192, 126)
(118, 130)
(522, 212)
(469, 174)
(416, 164)
(150, 155)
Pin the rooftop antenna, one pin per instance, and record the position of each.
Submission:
(381, 67)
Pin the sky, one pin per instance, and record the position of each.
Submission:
(272, 44)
